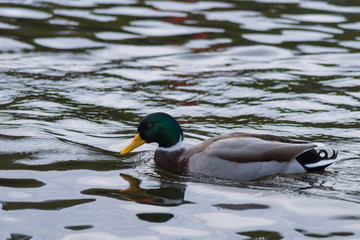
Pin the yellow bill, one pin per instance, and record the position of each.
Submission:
(136, 142)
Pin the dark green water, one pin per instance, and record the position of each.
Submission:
(77, 76)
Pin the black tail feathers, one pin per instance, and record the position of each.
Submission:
(313, 160)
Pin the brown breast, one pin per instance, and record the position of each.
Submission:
(172, 161)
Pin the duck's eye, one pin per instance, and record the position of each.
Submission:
(149, 125)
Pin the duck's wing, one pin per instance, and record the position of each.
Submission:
(246, 158)
(244, 148)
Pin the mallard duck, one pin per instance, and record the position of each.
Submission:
(238, 156)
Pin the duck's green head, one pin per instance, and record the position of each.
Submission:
(156, 127)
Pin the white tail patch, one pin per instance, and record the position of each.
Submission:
(321, 163)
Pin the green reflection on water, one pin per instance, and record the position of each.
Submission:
(45, 205)
(21, 183)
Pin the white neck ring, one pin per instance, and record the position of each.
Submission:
(178, 146)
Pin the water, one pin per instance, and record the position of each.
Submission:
(77, 76)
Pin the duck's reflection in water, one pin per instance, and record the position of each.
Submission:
(166, 194)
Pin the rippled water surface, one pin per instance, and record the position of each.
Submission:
(77, 76)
